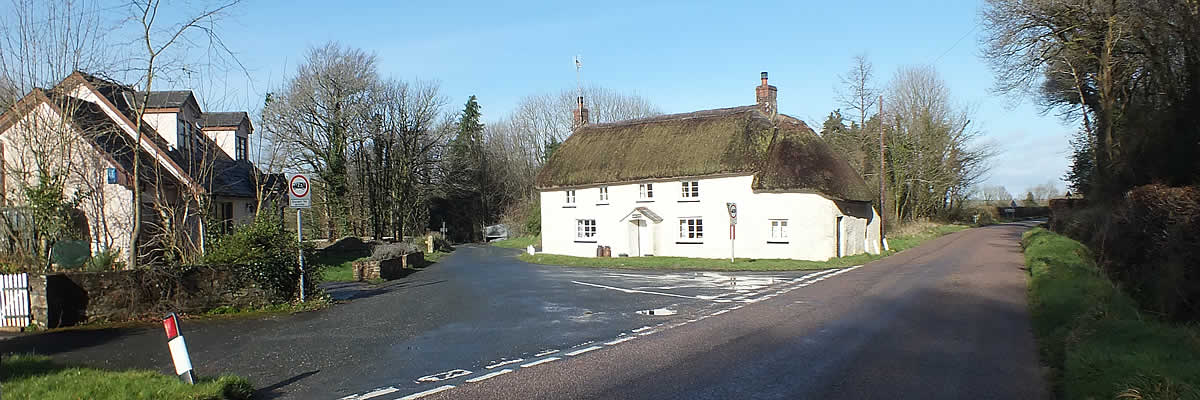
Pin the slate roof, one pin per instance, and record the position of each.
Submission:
(166, 98)
(214, 119)
(783, 153)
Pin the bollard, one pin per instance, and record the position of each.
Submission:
(179, 353)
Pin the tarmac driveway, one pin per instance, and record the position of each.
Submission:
(477, 308)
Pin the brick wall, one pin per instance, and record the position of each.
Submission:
(387, 269)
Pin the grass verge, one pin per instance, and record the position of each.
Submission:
(37, 377)
(1093, 337)
(519, 242)
(903, 240)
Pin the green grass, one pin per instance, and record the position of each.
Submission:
(1093, 337)
(37, 377)
(519, 242)
(898, 243)
(341, 269)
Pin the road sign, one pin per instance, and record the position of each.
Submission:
(179, 352)
(299, 191)
(732, 207)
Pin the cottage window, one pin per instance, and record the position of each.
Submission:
(181, 136)
(585, 229)
(603, 194)
(240, 149)
(779, 230)
(570, 197)
(646, 191)
(691, 228)
(225, 216)
(691, 190)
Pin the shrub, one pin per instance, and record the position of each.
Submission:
(267, 254)
(393, 250)
(523, 218)
(107, 260)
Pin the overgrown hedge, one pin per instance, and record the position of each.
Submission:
(267, 254)
(1148, 242)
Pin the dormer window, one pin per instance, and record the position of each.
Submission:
(242, 151)
(181, 136)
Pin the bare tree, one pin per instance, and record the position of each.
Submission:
(857, 91)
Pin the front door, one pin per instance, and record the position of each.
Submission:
(645, 242)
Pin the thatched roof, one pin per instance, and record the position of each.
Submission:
(783, 155)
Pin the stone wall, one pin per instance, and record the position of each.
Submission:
(66, 299)
(387, 269)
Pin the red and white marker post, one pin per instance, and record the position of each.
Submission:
(179, 353)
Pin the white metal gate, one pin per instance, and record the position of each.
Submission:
(14, 300)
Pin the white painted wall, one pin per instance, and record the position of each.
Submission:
(812, 221)
(226, 139)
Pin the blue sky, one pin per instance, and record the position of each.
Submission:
(683, 56)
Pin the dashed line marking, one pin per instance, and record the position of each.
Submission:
(540, 362)
(441, 376)
(377, 393)
(502, 363)
(545, 353)
(647, 333)
(418, 395)
(641, 329)
(489, 376)
(621, 340)
(719, 312)
(583, 350)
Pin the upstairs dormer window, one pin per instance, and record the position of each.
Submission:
(570, 197)
(604, 194)
(646, 191)
(181, 136)
(691, 190)
(241, 149)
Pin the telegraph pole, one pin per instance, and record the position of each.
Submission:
(882, 187)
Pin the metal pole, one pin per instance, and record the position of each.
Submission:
(732, 237)
(300, 250)
(882, 187)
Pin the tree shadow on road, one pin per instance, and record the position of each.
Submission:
(272, 391)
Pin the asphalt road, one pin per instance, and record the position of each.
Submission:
(947, 320)
(476, 308)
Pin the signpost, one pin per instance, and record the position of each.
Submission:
(732, 207)
(299, 197)
(179, 353)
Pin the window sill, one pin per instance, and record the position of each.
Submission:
(568, 206)
(645, 201)
(777, 242)
(689, 242)
(689, 201)
(585, 241)
(602, 204)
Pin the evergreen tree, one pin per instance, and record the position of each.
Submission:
(466, 175)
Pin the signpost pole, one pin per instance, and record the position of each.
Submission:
(300, 250)
(732, 237)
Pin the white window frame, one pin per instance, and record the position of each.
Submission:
(603, 195)
(778, 231)
(691, 229)
(646, 191)
(585, 230)
(570, 197)
(690, 190)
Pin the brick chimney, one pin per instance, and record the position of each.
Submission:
(764, 96)
(581, 113)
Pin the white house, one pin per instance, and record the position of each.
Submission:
(659, 186)
(84, 128)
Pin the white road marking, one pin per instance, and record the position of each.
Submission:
(583, 350)
(634, 290)
(539, 362)
(647, 332)
(441, 376)
(489, 376)
(427, 392)
(621, 340)
(547, 352)
(505, 363)
(641, 329)
(719, 312)
(377, 393)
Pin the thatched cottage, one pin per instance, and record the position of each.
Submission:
(661, 185)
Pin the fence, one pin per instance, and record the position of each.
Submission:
(14, 301)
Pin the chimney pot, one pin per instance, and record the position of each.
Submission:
(581, 113)
(764, 96)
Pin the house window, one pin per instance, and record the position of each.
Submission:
(240, 149)
(181, 135)
(691, 190)
(646, 191)
(570, 197)
(225, 216)
(585, 229)
(691, 229)
(604, 194)
(779, 230)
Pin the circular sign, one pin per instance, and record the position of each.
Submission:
(298, 185)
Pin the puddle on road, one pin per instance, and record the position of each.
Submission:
(657, 312)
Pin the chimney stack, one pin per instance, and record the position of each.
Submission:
(764, 96)
(581, 114)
